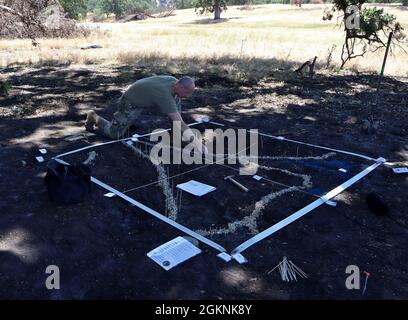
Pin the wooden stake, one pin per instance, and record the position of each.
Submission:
(377, 95)
(181, 192)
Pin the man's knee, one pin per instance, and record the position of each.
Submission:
(123, 118)
(116, 129)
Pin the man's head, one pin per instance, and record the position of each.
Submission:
(184, 87)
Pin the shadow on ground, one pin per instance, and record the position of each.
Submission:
(212, 21)
(101, 245)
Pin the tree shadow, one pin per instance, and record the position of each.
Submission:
(212, 21)
(95, 240)
(403, 8)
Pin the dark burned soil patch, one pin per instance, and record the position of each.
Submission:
(101, 245)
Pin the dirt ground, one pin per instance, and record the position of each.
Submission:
(101, 245)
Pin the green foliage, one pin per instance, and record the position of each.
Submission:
(203, 6)
(374, 27)
(101, 7)
(75, 8)
(373, 20)
(384, 1)
(185, 4)
(117, 7)
(405, 2)
(271, 2)
(240, 2)
(5, 88)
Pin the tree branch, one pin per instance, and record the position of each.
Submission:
(11, 11)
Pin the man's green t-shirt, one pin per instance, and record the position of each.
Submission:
(154, 92)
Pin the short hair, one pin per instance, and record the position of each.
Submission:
(186, 82)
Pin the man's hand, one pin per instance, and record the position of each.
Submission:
(197, 142)
(187, 133)
(205, 150)
(201, 147)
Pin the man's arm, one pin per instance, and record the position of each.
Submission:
(177, 119)
(187, 133)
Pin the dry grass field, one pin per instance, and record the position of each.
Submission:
(263, 38)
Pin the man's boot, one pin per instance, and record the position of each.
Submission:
(90, 121)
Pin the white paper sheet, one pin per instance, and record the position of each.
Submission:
(174, 252)
(196, 188)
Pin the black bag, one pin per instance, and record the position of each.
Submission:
(67, 184)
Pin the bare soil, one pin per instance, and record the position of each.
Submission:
(101, 245)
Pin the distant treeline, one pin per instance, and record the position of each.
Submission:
(185, 4)
(101, 8)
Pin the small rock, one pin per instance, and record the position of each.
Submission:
(370, 126)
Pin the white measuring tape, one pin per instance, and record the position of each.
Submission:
(155, 213)
(236, 253)
(119, 140)
(138, 204)
(317, 203)
(306, 144)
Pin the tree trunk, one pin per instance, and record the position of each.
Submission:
(217, 10)
(116, 9)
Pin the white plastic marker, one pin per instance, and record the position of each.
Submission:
(331, 203)
(224, 256)
(109, 194)
(342, 170)
(239, 258)
(43, 151)
(201, 120)
(135, 138)
(40, 159)
(400, 170)
(300, 213)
